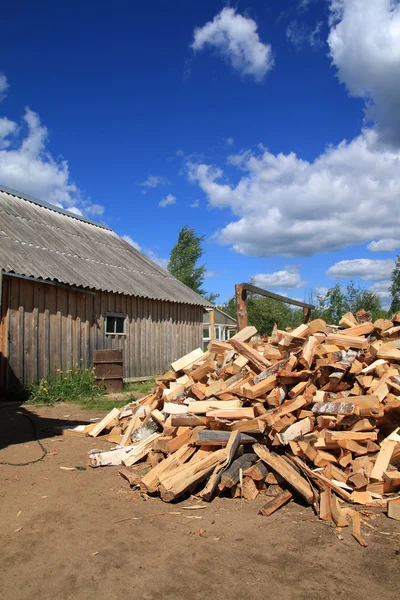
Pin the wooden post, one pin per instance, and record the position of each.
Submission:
(212, 324)
(306, 314)
(241, 306)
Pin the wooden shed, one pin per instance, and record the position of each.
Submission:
(70, 286)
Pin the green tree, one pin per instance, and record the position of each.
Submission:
(264, 312)
(338, 301)
(395, 287)
(183, 262)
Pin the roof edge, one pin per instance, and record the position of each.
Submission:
(49, 206)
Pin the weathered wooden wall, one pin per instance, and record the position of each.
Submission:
(47, 327)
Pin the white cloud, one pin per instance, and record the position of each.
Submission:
(289, 278)
(285, 205)
(167, 201)
(162, 262)
(180, 152)
(289, 206)
(27, 166)
(321, 290)
(236, 38)
(131, 241)
(7, 130)
(365, 268)
(386, 245)
(95, 210)
(364, 44)
(154, 181)
(301, 34)
(382, 289)
(3, 86)
(229, 141)
(209, 274)
(195, 204)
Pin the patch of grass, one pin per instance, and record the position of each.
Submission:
(74, 385)
(105, 403)
(142, 387)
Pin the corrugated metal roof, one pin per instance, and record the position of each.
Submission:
(45, 242)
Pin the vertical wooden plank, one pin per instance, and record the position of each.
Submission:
(53, 328)
(80, 326)
(35, 344)
(142, 337)
(62, 328)
(72, 333)
(26, 322)
(92, 328)
(157, 336)
(14, 330)
(130, 336)
(88, 305)
(5, 297)
(38, 338)
(136, 335)
(148, 338)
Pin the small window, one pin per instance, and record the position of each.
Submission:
(115, 325)
(206, 333)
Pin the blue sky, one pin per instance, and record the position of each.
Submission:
(273, 128)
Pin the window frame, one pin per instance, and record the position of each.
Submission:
(115, 316)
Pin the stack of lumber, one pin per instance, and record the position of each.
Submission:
(311, 413)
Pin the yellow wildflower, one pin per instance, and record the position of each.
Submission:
(45, 390)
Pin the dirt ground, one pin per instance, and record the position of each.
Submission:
(84, 534)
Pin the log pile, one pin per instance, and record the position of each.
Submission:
(310, 413)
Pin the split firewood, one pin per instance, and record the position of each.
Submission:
(273, 505)
(310, 412)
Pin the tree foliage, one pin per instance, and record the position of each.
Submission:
(183, 262)
(338, 301)
(264, 312)
(395, 287)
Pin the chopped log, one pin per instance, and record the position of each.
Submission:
(296, 430)
(202, 406)
(273, 505)
(339, 515)
(188, 359)
(184, 478)
(348, 320)
(254, 357)
(207, 437)
(231, 450)
(325, 499)
(393, 508)
(249, 489)
(287, 471)
(98, 428)
(150, 481)
(385, 454)
(263, 387)
(245, 334)
(364, 329)
(347, 341)
(231, 476)
(139, 451)
(257, 472)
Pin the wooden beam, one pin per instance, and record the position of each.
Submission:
(212, 324)
(241, 306)
(261, 292)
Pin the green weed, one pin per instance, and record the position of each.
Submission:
(74, 385)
